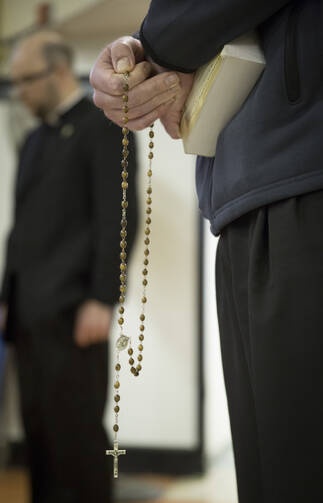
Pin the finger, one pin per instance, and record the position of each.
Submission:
(152, 87)
(125, 53)
(145, 121)
(113, 106)
(171, 124)
(110, 98)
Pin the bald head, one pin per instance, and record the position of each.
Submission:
(41, 68)
(47, 46)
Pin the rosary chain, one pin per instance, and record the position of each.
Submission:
(123, 254)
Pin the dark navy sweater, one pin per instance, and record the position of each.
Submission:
(273, 147)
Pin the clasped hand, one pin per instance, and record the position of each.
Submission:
(154, 92)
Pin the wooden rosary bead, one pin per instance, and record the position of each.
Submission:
(118, 367)
(142, 328)
(117, 385)
(125, 130)
(141, 337)
(130, 351)
(117, 398)
(144, 300)
(131, 361)
(116, 427)
(139, 358)
(140, 347)
(142, 317)
(117, 409)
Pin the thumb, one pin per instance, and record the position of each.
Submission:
(125, 53)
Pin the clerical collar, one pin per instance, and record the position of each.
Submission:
(53, 118)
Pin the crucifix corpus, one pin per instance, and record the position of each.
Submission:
(115, 453)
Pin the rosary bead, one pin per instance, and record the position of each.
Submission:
(125, 152)
(146, 252)
(125, 130)
(125, 142)
(131, 361)
(123, 267)
(123, 233)
(121, 310)
(124, 164)
(149, 190)
(145, 282)
(125, 119)
(118, 367)
(145, 272)
(141, 337)
(117, 384)
(149, 172)
(140, 347)
(146, 261)
(147, 241)
(148, 200)
(151, 144)
(147, 231)
(122, 289)
(122, 278)
(144, 300)
(123, 243)
(142, 328)
(151, 134)
(130, 351)
(121, 321)
(136, 374)
(117, 409)
(124, 185)
(125, 109)
(124, 174)
(150, 155)
(117, 398)
(116, 428)
(125, 98)
(148, 211)
(121, 299)
(139, 358)
(139, 367)
(142, 317)
(133, 370)
(125, 87)
(124, 222)
(124, 204)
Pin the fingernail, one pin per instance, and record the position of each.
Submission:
(172, 80)
(123, 65)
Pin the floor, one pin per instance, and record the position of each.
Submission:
(217, 486)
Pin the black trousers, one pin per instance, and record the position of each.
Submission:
(269, 272)
(63, 394)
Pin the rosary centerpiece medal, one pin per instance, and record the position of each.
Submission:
(124, 341)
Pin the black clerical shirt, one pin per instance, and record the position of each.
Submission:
(65, 243)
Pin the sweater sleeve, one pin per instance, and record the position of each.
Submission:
(105, 151)
(182, 35)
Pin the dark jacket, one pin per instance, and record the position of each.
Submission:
(65, 244)
(272, 149)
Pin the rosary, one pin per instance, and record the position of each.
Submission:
(124, 341)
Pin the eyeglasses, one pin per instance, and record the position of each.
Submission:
(31, 77)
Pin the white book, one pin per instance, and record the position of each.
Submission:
(219, 90)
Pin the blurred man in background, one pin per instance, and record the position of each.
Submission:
(62, 273)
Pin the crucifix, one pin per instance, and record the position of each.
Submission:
(115, 453)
